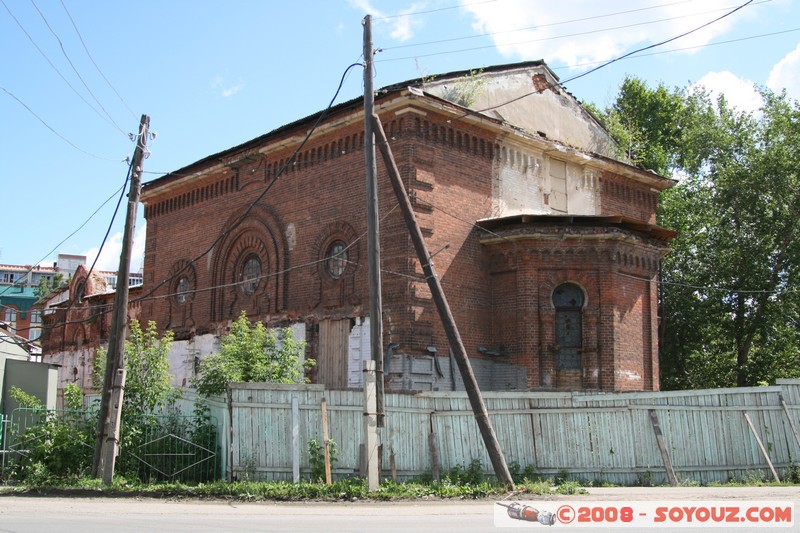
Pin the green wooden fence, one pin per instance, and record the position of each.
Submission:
(622, 438)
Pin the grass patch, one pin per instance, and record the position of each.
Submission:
(351, 489)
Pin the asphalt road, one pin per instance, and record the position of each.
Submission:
(120, 515)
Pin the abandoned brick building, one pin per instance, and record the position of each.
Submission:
(77, 321)
(545, 242)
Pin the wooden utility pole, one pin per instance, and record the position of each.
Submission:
(373, 230)
(453, 336)
(107, 442)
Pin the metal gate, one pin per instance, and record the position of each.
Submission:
(57, 441)
(153, 448)
(159, 448)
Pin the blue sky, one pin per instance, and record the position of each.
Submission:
(77, 75)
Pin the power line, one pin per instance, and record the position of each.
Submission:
(75, 70)
(538, 27)
(605, 64)
(105, 307)
(57, 246)
(49, 127)
(564, 36)
(685, 48)
(53, 66)
(289, 161)
(414, 13)
(661, 43)
(80, 37)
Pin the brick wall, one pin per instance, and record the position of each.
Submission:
(238, 206)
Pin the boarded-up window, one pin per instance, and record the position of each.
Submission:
(558, 185)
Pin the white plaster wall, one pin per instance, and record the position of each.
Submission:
(553, 111)
(184, 356)
(359, 350)
(522, 183)
(68, 362)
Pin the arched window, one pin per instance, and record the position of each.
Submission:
(251, 274)
(80, 292)
(568, 300)
(182, 289)
(336, 259)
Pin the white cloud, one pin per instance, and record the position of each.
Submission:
(739, 93)
(109, 257)
(401, 25)
(577, 32)
(225, 89)
(786, 74)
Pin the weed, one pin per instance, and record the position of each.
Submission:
(471, 474)
(570, 487)
(794, 473)
(316, 458)
(542, 487)
(561, 477)
(646, 479)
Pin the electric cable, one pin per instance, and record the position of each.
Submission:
(673, 50)
(86, 48)
(555, 37)
(321, 116)
(654, 45)
(75, 70)
(538, 27)
(54, 67)
(290, 161)
(49, 127)
(57, 246)
(414, 13)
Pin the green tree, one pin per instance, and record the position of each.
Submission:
(46, 286)
(253, 354)
(728, 287)
(148, 382)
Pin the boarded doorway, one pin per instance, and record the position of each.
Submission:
(332, 353)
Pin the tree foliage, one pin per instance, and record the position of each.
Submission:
(46, 286)
(253, 354)
(148, 382)
(729, 297)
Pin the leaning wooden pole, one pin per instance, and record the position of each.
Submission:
(453, 336)
(107, 442)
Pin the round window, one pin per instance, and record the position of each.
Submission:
(251, 274)
(336, 259)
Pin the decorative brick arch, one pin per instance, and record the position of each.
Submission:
(258, 236)
(333, 291)
(181, 303)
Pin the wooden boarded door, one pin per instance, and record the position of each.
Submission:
(332, 354)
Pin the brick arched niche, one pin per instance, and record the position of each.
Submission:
(182, 290)
(615, 267)
(249, 269)
(338, 252)
(568, 307)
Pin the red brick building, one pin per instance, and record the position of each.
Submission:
(77, 321)
(545, 243)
